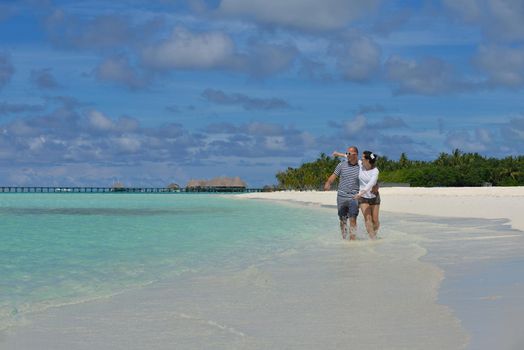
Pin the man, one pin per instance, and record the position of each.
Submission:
(348, 187)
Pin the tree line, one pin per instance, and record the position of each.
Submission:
(457, 169)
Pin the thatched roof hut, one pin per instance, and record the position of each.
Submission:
(196, 183)
(173, 186)
(226, 182)
(118, 187)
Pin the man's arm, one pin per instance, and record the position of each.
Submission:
(329, 182)
(373, 181)
(375, 188)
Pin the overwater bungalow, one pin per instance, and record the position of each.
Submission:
(118, 187)
(218, 184)
(173, 187)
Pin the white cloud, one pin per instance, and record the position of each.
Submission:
(20, 128)
(310, 15)
(308, 139)
(127, 124)
(500, 20)
(430, 76)
(275, 143)
(217, 50)
(465, 141)
(258, 128)
(128, 144)
(258, 140)
(507, 19)
(513, 134)
(358, 59)
(356, 125)
(484, 136)
(36, 143)
(99, 121)
(102, 32)
(119, 70)
(504, 66)
(468, 9)
(267, 59)
(185, 49)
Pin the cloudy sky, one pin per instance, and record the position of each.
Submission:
(159, 91)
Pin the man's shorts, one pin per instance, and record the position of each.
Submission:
(347, 207)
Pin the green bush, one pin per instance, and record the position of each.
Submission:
(451, 170)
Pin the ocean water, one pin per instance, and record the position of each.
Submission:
(204, 271)
(60, 249)
(208, 271)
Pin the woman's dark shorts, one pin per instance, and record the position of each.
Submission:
(347, 207)
(370, 201)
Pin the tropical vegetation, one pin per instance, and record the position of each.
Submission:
(457, 169)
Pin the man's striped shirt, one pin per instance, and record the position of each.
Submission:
(348, 184)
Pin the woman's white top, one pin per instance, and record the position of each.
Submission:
(367, 179)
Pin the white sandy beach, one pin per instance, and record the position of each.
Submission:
(417, 287)
(470, 202)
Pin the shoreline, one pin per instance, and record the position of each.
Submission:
(479, 248)
(459, 202)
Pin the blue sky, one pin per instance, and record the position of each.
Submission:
(161, 91)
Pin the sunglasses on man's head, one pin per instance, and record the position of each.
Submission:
(350, 154)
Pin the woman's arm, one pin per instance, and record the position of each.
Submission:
(371, 183)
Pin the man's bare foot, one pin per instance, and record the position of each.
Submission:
(352, 237)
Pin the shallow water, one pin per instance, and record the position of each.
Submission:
(202, 270)
(67, 248)
(483, 261)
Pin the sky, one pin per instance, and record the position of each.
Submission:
(163, 91)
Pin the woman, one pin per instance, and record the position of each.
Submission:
(369, 200)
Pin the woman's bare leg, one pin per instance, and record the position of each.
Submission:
(374, 214)
(368, 219)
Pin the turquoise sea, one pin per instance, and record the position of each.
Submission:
(60, 249)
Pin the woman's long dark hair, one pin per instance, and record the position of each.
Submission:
(372, 157)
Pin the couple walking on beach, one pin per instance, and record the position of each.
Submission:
(357, 188)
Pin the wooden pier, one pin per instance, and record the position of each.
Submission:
(51, 189)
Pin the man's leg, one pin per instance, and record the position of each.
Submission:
(352, 228)
(342, 205)
(353, 213)
(343, 227)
